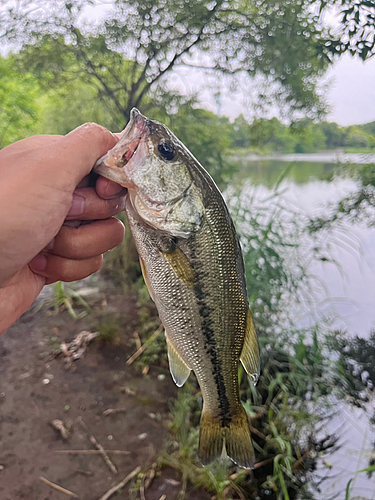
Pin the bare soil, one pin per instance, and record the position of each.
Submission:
(37, 388)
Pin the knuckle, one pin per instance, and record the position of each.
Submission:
(97, 130)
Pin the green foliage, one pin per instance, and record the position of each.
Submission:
(122, 263)
(355, 33)
(356, 359)
(270, 235)
(107, 326)
(206, 135)
(303, 136)
(357, 137)
(65, 297)
(19, 108)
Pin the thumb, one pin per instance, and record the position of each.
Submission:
(73, 156)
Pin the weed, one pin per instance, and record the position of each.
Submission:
(65, 297)
(108, 327)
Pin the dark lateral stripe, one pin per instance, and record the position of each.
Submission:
(205, 312)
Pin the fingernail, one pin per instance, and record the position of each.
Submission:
(50, 245)
(78, 205)
(39, 263)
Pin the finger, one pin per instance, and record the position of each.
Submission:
(56, 268)
(108, 189)
(34, 142)
(88, 240)
(87, 205)
(72, 157)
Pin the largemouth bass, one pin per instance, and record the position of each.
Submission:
(193, 267)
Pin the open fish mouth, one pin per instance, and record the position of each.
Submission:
(111, 165)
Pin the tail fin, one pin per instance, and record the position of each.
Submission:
(235, 437)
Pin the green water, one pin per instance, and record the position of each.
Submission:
(268, 172)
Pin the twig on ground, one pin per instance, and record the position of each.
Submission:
(144, 346)
(120, 485)
(265, 462)
(85, 472)
(258, 433)
(111, 411)
(163, 497)
(239, 492)
(91, 452)
(142, 488)
(58, 488)
(138, 341)
(151, 475)
(99, 447)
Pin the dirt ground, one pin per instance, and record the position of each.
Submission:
(37, 388)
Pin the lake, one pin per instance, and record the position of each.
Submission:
(347, 293)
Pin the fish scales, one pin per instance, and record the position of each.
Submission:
(193, 266)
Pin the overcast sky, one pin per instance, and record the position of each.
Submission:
(351, 91)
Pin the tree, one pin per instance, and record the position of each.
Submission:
(18, 103)
(355, 32)
(129, 55)
(282, 43)
(358, 138)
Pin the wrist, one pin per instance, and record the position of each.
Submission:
(18, 295)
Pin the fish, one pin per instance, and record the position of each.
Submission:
(192, 264)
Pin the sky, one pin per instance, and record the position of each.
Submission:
(351, 91)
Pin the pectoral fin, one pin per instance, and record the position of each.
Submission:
(179, 370)
(145, 277)
(250, 351)
(181, 266)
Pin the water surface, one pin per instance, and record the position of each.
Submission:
(312, 183)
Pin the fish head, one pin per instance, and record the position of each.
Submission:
(156, 168)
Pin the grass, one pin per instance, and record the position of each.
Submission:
(349, 485)
(65, 297)
(348, 150)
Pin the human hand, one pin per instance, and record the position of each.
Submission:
(42, 239)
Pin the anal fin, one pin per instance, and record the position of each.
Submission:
(250, 351)
(179, 369)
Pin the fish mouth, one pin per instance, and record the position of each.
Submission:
(113, 164)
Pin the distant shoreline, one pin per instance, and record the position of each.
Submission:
(336, 156)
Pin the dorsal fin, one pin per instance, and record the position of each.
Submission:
(179, 369)
(250, 351)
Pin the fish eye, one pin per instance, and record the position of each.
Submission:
(166, 151)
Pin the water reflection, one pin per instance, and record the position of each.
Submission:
(309, 188)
